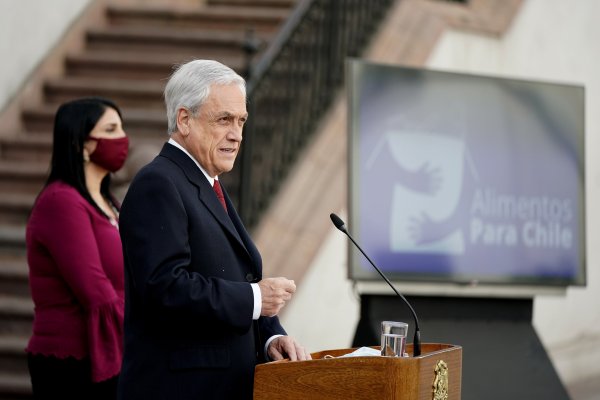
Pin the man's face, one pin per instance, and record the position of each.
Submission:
(216, 133)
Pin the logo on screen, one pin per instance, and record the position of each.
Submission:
(426, 192)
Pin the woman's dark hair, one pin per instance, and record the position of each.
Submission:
(73, 123)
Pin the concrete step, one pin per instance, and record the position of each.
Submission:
(147, 123)
(15, 386)
(14, 277)
(16, 315)
(286, 4)
(22, 176)
(15, 207)
(35, 147)
(13, 358)
(222, 17)
(12, 242)
(124, 92)
(13, 235)
(159, 40)
(132, 65)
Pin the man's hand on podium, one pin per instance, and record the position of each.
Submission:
(286, 347)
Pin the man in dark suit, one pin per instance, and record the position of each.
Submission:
(198, 314)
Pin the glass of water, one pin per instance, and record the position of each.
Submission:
(393, 338)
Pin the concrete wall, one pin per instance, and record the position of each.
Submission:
(551, 40)
(29, 29)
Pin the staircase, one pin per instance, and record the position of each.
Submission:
(128, 60)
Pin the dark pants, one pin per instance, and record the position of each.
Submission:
(55, 378)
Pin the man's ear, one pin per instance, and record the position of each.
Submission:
(183, 121)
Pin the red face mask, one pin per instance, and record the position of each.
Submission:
(110, 153)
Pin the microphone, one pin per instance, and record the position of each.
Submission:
(337, 221)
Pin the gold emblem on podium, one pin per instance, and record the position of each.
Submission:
(440, 383)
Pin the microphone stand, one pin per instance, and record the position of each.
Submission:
(339, 224)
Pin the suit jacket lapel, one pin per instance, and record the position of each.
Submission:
(249, 244)
(205, 191)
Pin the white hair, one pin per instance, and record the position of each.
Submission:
(189, 86)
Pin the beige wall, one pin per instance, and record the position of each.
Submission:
(29, 29)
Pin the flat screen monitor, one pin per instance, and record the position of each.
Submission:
(465, 179)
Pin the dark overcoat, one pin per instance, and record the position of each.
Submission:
(189, 332)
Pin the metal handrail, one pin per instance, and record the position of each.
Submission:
(290, 88)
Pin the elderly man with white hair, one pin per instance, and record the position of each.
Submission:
(198, 314)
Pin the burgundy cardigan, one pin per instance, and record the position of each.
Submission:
(76, 279)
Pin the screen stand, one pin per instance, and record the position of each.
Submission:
(503, 358)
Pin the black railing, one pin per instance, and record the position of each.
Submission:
(292, 86)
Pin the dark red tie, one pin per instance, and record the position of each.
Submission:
(219, 192)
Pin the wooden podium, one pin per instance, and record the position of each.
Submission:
(434, 375)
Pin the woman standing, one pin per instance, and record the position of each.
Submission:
(75, 258)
